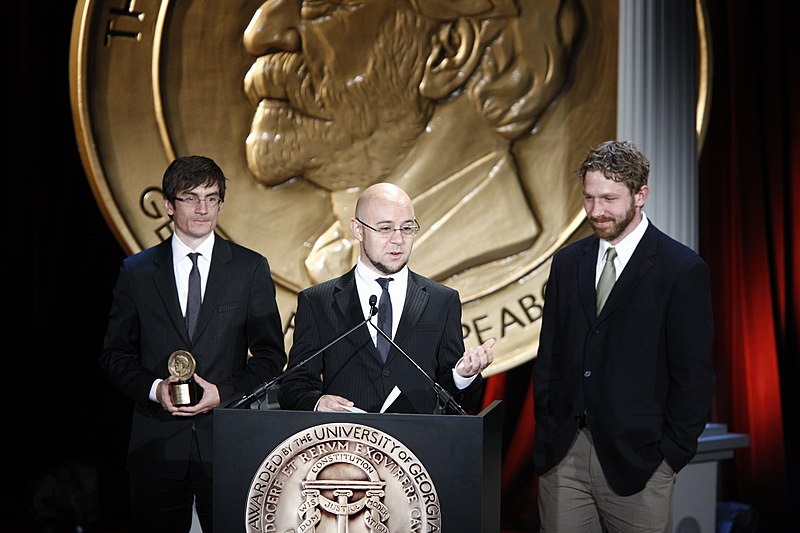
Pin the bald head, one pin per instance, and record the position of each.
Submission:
(384, 214)
(382, 194)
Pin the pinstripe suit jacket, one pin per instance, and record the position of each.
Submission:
(429, 331)
(239, 312)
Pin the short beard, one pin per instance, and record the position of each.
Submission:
(383, 268)
(617, 228)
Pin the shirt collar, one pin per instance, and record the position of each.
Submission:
(181, 250)
(368, 275)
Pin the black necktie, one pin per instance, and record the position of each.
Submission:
(194, 299)
(384, 317)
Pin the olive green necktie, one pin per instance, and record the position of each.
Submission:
(607, 279)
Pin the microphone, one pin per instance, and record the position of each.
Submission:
(445, 397)
(373, 300)
(265, 387)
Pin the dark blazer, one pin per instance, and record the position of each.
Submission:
(429, 331)
(239, 312)
(641, 370)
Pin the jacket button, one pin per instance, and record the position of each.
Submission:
(587, 374)
(595, 331)
(385, 373)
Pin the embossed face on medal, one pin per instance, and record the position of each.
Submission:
(181, 364)
(480, 110)
(348, 94)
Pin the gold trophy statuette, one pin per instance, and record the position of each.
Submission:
(183, 392)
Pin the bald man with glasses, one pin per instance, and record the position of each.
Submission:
(421, 316)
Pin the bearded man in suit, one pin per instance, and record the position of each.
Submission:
(623, 377)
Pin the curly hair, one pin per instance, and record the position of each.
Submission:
(620, 161)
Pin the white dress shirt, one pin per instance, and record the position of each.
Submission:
(625, 249)
(367, 285)
(182, 266)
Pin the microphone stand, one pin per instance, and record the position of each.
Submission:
(265, 387)
(445, 397)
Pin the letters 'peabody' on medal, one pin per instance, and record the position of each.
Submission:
(181, 364)
(342, 477)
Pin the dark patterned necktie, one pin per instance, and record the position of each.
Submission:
(384, 317)
(194, 299)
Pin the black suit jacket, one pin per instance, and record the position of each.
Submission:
(239, 313)
(641, 370)
(429, 331)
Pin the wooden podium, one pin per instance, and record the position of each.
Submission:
(279, 471)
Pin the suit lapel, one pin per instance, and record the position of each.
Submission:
(348, 306)
(587, 272)
(218, 278)
(164, 279)
(416, 301)
(640, 262)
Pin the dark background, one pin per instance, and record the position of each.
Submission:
(67, 430)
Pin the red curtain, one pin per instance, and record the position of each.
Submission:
(750, 211)
(749, 175)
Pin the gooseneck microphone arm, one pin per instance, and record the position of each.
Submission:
(265, 387)
(445, 397)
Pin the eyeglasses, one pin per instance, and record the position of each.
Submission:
(407, 230)
(194, 201)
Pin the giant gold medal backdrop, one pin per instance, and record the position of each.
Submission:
(481, 111)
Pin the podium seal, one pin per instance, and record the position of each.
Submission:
(342, 477)
(181, 364)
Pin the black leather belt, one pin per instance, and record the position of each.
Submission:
(582, 421)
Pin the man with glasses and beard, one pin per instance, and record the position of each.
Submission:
(421, 316)
(623, 377)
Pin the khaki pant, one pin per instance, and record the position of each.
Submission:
(574, 496)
